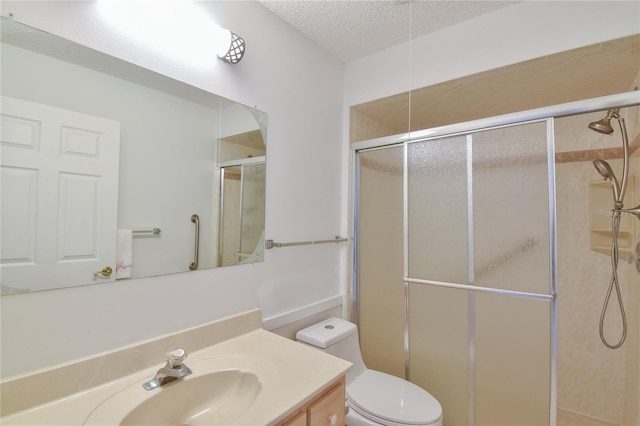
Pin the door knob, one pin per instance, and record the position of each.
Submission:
(105, 273)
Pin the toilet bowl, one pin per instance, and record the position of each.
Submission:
(373, 397)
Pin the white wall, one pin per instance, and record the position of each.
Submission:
(300, 87)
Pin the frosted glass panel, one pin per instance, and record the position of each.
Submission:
(512, 360)
(380, 264)
(477, 215)
(439, 347)
(438, 244)
(511, 208)
(253, 196)
(242, 221)
(229, 235)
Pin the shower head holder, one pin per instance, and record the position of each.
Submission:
(604, 169)
(634, 211)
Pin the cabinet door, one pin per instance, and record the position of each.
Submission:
(329, 409)
(298, 420)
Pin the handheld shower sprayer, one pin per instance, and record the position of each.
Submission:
(619, 189)
(607, 173)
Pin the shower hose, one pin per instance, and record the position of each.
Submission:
(614, 284)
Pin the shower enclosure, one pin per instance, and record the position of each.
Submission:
(455, 263)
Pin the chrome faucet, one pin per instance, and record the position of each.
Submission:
(173, 370)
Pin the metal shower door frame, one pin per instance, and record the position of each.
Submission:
(471, 288)
(540, 114)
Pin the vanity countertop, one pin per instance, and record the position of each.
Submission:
(295, 374)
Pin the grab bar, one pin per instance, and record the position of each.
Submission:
(194, 265)
(268, 244)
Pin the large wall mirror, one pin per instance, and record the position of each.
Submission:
(114, 172)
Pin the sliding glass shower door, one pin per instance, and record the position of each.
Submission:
(454, 270)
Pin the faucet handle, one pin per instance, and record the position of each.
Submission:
(175, 357)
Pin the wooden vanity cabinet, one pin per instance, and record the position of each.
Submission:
(327, 408)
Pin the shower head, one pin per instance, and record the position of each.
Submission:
(604, 125)
(606, 172)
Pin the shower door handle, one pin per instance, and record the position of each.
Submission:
(194, 265)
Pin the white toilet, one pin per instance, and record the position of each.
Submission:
(373, 397)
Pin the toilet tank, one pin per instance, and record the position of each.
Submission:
(337, 337)
(326, 333)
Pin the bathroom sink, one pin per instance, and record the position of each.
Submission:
(220, 391)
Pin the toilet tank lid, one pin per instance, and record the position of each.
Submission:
(327, 332)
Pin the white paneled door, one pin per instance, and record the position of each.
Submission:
(59, 196)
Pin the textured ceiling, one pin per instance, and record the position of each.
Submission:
(351, 29)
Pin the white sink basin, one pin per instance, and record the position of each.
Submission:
(220, 391)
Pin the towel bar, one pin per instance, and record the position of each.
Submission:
(268, 244)
(152, 231)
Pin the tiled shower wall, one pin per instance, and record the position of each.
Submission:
(593, 380)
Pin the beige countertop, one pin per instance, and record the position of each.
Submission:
(290, 375)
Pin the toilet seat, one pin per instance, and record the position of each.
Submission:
(389, 400)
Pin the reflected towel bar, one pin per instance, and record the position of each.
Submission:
(152, 231)
(268, 244)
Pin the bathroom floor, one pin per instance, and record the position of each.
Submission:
(567, 418)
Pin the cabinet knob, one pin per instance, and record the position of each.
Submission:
(333, 419)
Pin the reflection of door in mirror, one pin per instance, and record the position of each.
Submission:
(59, 196)
(242, 212)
